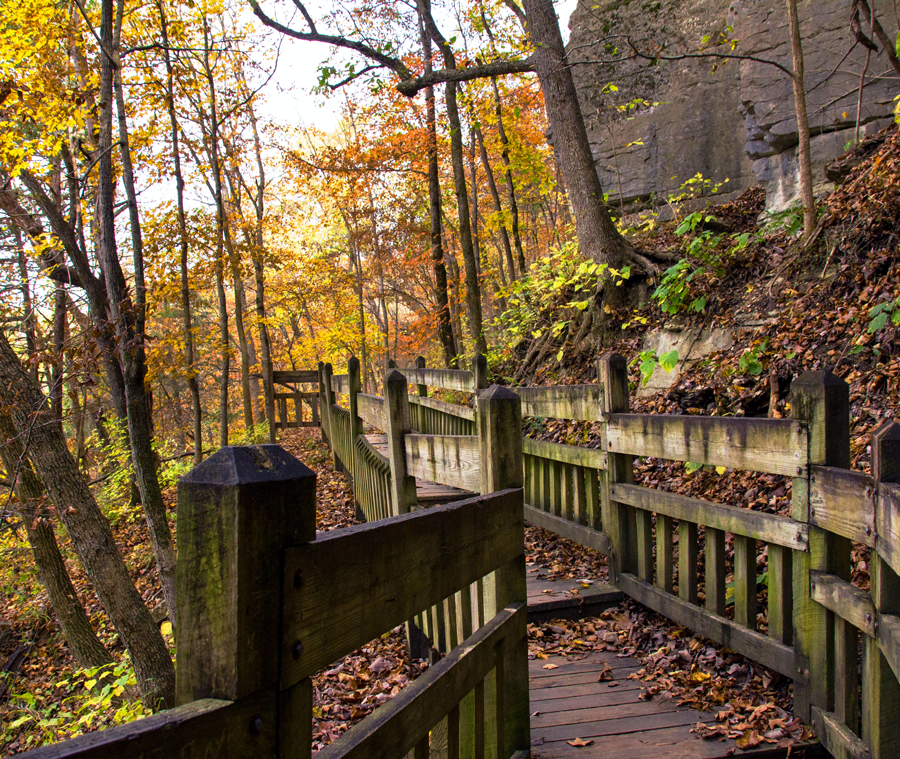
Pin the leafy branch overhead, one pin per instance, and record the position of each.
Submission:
(385, 56)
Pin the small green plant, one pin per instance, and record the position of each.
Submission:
(674, 292)
(562, 279)
(881, 313)
(749, 362)
(649, 361)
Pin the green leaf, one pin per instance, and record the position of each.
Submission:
(692, 466)
(668, 361)
(877, 323)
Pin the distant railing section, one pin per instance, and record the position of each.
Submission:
(285, 395)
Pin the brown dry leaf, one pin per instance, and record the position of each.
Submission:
(606, 673)
(550, 666)
(750, 739)
(580, 742)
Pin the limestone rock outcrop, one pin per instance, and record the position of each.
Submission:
(655, 124)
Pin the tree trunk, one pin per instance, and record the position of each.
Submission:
(259, 254)
(510, 185)
(806, 183)
(470, 262)
(498, 206)
(445, 328)
(187, 330)
(83, 642)
(28, 317)
(137, 243)
(88, 528)
(129, 343)
(225, 348)
(598, 237)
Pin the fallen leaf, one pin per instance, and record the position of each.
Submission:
(551, 666)
(580, 742)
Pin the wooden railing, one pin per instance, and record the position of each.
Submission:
(264, 604)
(809, 625)
(278, 401)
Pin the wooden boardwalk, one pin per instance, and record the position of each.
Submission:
(426, 492)
(568, 701)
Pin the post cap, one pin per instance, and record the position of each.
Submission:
(247, 464)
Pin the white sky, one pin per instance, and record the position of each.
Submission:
(291, 100)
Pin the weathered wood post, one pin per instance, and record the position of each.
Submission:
(422, 392)
(618, 519)
(499, 419)
(269, 390)
(327, 373)
(324, 408)
(821, 400)
(480, 372)
(237, 513)
(354, 388)
(396, 425)
(881, 689)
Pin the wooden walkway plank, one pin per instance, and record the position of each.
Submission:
(569, 702)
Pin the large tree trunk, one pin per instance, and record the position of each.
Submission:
(88, 528)
(83, 642)
(187, 331)
(129, 346)
(598, 237)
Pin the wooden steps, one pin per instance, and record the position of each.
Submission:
(566, 599)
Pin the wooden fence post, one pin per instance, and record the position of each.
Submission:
(237, 513)
(354, 389)
(422, 392)
(396, 425)
(327, 372)
(269, 390)
(324, 408)
(821, 400)
(618, 519)
(499, 419)
(480, 372)
(881, 689)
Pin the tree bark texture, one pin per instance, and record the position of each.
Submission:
(803, 158)
(88, 529)
(129, 342)
(80, 636)
(598, 237)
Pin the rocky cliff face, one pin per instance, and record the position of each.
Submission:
(655, 124)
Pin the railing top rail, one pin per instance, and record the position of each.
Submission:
(394, 569)
(451, 379)
(774, 446)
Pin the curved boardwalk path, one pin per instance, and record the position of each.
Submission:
(569, 702)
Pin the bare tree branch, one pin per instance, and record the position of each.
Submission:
(387, 61)
(412, 87)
